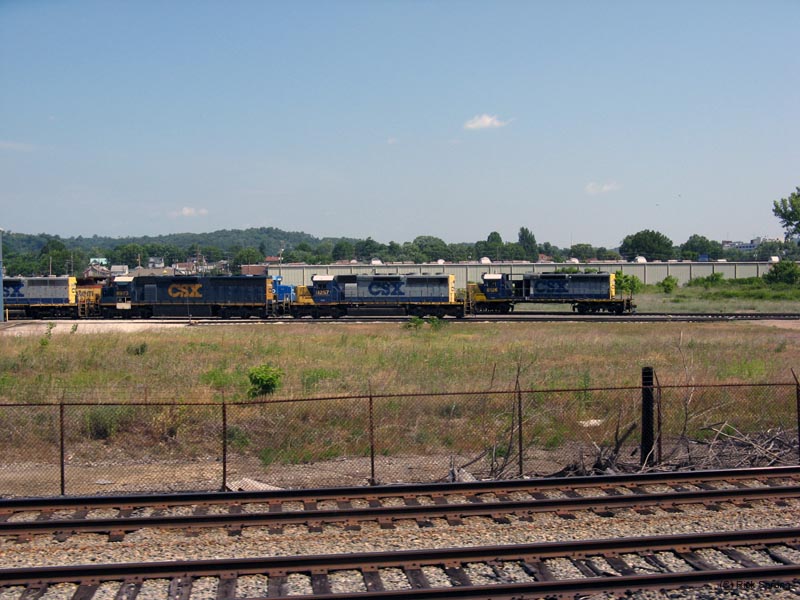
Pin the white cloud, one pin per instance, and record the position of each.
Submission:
(188, 211)
(391, 141)
(593, 188)
(485, 121)
(16, 146)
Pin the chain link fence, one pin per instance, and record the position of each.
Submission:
(140, 443)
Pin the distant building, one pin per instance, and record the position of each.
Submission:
(96, 271)
(747, 246)
(254, 269)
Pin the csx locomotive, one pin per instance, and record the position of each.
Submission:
(328, 296)
(586, 292)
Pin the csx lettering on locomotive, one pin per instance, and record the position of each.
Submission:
(13, 290)
(386, 288)
(185, 290)
(549, 286)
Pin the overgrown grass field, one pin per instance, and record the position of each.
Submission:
(323, 359)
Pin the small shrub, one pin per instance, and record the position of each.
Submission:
(713, 280)
(786, 271)
(102, 422)
(414, 323)
(669, 284)
(136, 349)
(264, 380)
(629, 284)
(237, 438)
(267, 456)
(44, 341)
(436, 323)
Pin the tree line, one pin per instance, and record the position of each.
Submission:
(43, 254)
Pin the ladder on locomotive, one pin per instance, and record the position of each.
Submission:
(88, 305)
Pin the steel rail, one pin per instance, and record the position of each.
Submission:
(514, 317)
(126, 501)
(315, 518)
(531, 557)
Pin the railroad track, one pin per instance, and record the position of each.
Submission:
(768, 558)
(515, 317)
(116, 516)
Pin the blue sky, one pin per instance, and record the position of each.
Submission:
(583, 121)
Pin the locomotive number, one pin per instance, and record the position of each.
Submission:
(386, 288)
(185, 290)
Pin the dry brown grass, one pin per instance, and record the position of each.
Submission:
(201, 363)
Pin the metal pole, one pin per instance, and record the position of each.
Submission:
(797, 409)
(520, 449)
(372, 480)
(2, 308)
(62, 448)
(224, 443)
(647, 417)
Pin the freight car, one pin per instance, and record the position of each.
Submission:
(188, 296)
(416, 295)
(586, 292)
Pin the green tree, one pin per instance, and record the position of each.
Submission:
(491, 248)
(769, 249)
(788, 212)
(431, 248)
(698, 245)
(606, 254)
(527, 240)
(786, 271)
(653, 245)
(513, 251)
(343, 250)
(583, 252)
(629, 284)
(368, 249)
(56, 259)
(246, 256)
(130, 254)
(552, 251)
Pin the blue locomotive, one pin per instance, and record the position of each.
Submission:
(416, 295)
(586, 292)
(327, 296)
(191, 296)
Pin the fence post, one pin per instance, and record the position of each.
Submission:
(372, 480)
(62, 450)
(647, 417)
(519, 426)
(224, 444)
(797, 409)
(659, 421)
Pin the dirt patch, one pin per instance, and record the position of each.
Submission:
(783, 324)
(38, 328)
